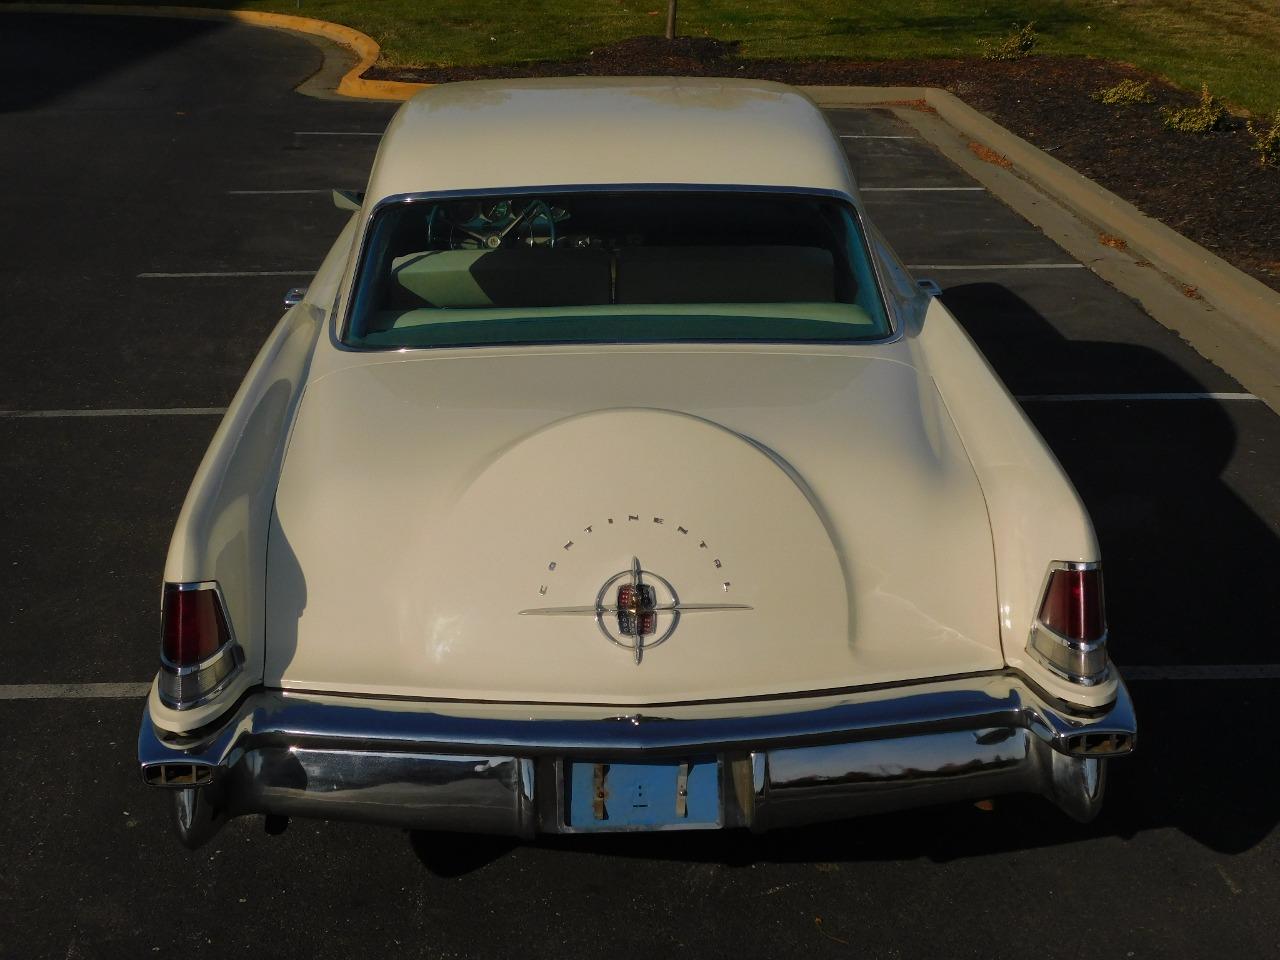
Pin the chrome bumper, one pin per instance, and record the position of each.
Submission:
(357, 759)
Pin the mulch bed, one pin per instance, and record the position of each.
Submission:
(1209, 187)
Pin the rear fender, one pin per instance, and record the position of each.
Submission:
(1035, 513)
(221, 533)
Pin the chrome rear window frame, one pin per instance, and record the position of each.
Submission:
(340, 330)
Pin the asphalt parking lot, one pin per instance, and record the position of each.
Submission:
(163, 186)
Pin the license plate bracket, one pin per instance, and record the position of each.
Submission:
(604, 796)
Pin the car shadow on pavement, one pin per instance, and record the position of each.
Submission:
(141, 71)
(1188, 564)
(1173, 489)
(47, 56)
(458, 854)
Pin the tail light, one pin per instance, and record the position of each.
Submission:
(198, 653)
(1069, 635)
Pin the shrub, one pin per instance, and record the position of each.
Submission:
(1266, 141)
(1125, 92)
(1015, 46)
(1208, 114)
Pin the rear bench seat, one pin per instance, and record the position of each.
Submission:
(759, 274)
(538, 277)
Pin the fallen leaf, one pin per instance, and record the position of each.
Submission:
(985, 153)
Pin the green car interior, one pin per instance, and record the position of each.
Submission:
(614, 267)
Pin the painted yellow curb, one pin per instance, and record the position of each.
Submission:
(351, 85)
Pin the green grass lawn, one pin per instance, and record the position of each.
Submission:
(1233, 45)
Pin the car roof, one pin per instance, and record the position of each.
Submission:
(495, 134)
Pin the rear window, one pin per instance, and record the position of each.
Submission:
(603, 267)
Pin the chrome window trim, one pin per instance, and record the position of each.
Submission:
(883, 258)
(231, 650)
(341, 325)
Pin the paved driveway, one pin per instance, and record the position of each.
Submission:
(163, 185)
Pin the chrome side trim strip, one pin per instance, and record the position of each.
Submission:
(655, 706)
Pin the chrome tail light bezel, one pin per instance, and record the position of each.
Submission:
(1081, 662)
(184, 687)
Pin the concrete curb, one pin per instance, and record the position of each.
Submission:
(1225, 286)
(352, 84)
(1225, 314)
(1247, 301)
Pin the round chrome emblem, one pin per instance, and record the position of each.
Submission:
(644, 606)
(636, 609)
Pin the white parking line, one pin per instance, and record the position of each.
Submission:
(995, 266)
(264, 193)
(921, 189)
(873, 136)
(1209, 671)
(114, 412)
(73, 691)
(1074, 397)
(336, 133)
(226, 273)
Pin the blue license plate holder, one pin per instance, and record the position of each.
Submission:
(642, 796)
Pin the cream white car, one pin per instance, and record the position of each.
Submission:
(614, 475)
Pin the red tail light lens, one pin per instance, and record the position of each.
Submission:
(1069, 635)
(195, 627)
(199, 656)
(1072, 605)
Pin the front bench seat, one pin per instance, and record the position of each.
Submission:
(506, 277)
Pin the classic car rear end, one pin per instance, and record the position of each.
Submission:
(624, 489)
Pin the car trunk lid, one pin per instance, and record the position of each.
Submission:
(443, 520)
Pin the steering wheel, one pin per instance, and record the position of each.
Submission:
(503, 223)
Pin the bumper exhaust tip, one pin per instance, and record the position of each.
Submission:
(1104, 744)
(177, 775)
